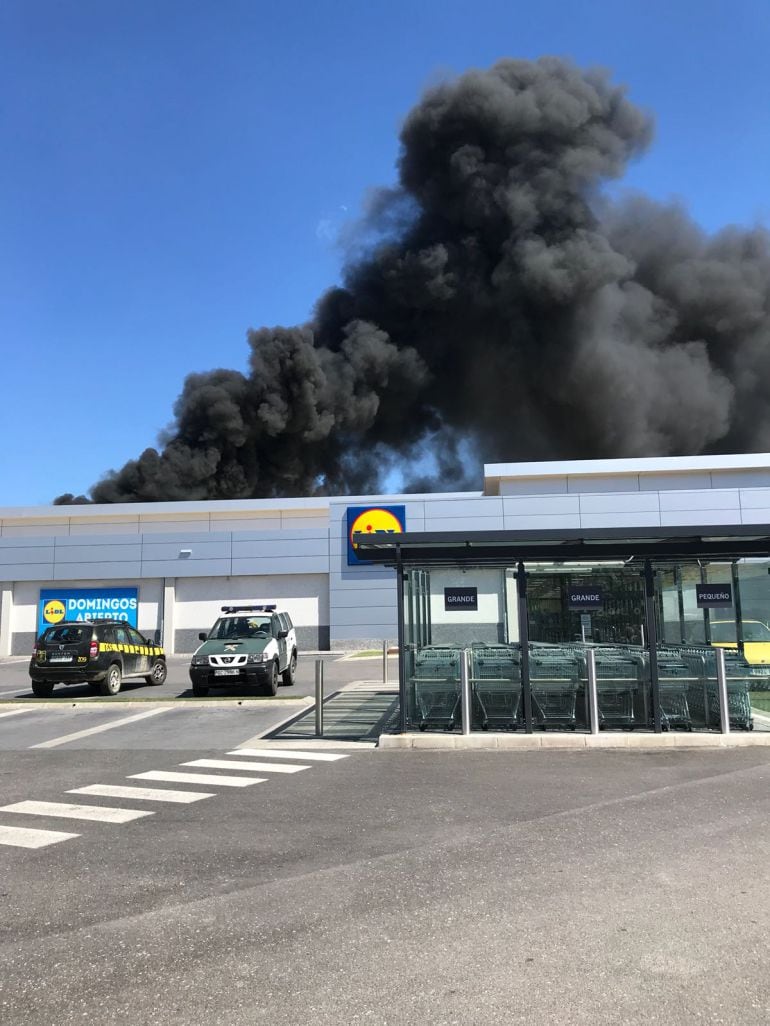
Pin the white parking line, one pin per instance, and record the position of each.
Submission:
(287, 753)
(66, 810)
(150, 794)
(198, 778)
(66, 738)
(261, 767)
(23, 837)
(14, 712)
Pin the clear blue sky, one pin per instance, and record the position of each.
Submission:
(173, 172)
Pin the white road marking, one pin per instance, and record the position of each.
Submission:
(66, 810)
(23, 837)
(14, 712)
(150, 794)
(66, 738)
(287, 753)
(261, 767)
(198, 778)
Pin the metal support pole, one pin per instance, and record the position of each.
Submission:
(401, 643)
(724, 708)
(526, 690)
(652, 639)
(384, 662)
(319, 698)
(592, 696)
(737, 607)
(465, 691)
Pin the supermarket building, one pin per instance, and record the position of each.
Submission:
(183, 560)
(633, 558)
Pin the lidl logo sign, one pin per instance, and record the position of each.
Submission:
(86, 604)
(54, 611)
(373, 520)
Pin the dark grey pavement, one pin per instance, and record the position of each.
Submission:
(339, 670)
(390, 888)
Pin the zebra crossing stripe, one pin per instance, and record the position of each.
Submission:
(150, 794)
(260, 767)
(288, 753)
(198, 778)
(23, 837)
(66, 810)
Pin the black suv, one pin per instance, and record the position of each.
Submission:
(96, 652)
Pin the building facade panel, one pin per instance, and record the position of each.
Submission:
(708, 499)
(538, 505)
(297, 549)
(620, 502)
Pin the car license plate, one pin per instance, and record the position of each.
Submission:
(60, 659)
(226, 673)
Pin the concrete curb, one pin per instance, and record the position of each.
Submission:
(156, 703)
(578, 742)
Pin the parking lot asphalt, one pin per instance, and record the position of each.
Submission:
(339, 669)
(383, 887)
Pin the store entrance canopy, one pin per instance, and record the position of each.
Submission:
(583, 544)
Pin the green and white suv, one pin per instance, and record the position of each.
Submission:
(247, 646)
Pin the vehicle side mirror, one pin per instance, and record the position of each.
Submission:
(283, 634)
(202, 636)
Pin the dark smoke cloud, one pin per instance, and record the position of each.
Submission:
(498, 308)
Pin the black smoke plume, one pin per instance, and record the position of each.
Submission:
(499, 308)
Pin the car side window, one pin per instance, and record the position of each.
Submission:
(289, 624)
(276, 625)
(121, 636)
(135, 636)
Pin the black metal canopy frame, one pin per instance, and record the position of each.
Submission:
(639, 547)
(659, 544)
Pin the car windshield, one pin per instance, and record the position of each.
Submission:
(228, 628)
(66, 635)
(724, 631)
(754, 630)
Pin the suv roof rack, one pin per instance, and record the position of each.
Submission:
(249, 609)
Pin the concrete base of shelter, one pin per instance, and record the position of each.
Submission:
(529, 742)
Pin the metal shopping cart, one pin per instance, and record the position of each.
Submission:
(704, 696)
(675, 680)
(554, 682)
(617, 684)
(436, 686)
(496, 683)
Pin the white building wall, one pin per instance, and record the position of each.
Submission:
(199, 601)
(26, 595)
(295, 550)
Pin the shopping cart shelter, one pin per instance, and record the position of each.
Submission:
(650, 630)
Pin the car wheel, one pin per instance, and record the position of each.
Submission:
(42, 688)
(287, 677)
(158, 673)
(271, 688)
(112, 680)
(200, 690)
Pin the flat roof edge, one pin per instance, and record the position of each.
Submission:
(633, 465)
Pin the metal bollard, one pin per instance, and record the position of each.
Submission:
(465, 692)
(724, 708)
(592, 696)
(319, 698)
(384, 662)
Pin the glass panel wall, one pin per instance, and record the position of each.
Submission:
(571, 609)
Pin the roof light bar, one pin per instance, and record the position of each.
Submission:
(249, 609)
